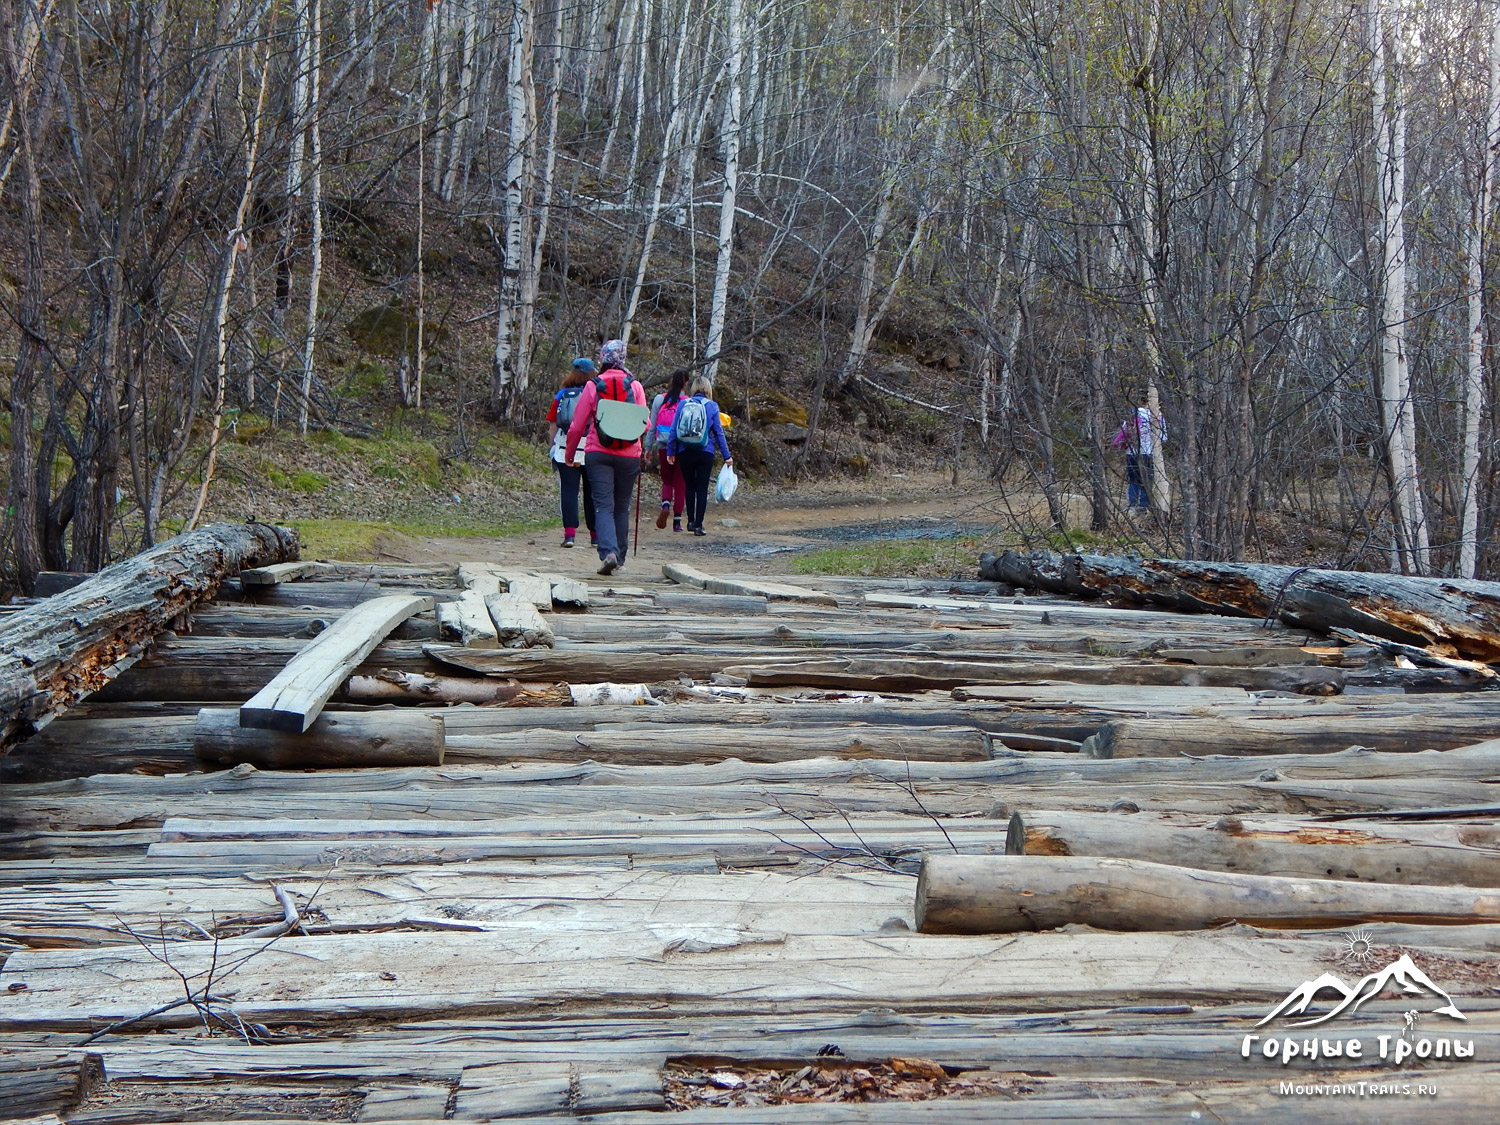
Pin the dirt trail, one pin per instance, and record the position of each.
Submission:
(758, 533)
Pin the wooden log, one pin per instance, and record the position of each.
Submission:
(1366, 853)
(38, 1080)
(481, 577)
(746, 587)
(56, 652)
(568, 593)
(675, 744)
(531, 588)
(225, 669)
(1460, 614)
(276, 573)
(964, 894)
(335, 739)
(711, 603)
(1430, 729)
(292, 700)
(517, 622)
(416, 688)
(467, 621)
(281, 622)
(916, 674)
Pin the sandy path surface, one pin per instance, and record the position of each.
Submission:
(758, 533)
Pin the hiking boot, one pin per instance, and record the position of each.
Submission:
(661, 516)
(677, 524)
(609, 565)
(698, 530)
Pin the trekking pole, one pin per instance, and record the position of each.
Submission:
(637, 547)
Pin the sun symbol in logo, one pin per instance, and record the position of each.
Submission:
(1359, 946)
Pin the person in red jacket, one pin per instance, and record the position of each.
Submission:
(612, 466)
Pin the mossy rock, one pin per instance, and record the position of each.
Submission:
(391, 330)
(858, 464)
(775, 408)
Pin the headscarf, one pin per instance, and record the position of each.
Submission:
(612, 354)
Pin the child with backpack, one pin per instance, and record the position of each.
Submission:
(609, 422)
(695, 436)
(663, 411)
(569, 477)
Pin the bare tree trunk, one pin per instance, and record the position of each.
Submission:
(1472, 403)
(315, 203)
(1387, 64)
(718, 308)
(457, 157)
(512, 324)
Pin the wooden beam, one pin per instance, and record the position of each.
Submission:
(517, 623)
(467, 621)
(59, 651)
(971, 894)
(276, 573)
(335, 739)
(745, 587)
(292, 700)
(39, 1080)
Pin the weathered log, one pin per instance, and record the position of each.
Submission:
(38, 1080)
(295, 695)
(415, 687)
(1462, 615)
(335, 739)
(969, 894)
(223, 669)
(516, 621)
(1362, 853)
(712, 603)
(467, 621)
(745, 587)
(56, 652)
(675, 744)
(276, 573)
(1318, 732)
(918, 674)
(281, 622)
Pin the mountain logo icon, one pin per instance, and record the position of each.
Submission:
(1402, 972)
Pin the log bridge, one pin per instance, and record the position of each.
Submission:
(290, 840)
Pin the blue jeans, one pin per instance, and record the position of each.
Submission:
(1138, 469)
(612, 479)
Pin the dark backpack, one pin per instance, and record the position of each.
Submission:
(567, 405)
(691, 423)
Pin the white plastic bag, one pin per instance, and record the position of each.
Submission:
(728, 482)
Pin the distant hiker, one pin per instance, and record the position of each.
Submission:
(609, 421)
(1140, 435)
(570, 476)
(696, 434)
(663, 411)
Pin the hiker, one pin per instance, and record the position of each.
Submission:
(608, 422)
(695, 435)
(569, 476)
(663, 411)
(1140, 436)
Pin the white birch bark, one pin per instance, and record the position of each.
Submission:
(642, 61)
(653, 218)
(719, 306)
(1472, 409)
(512, 324)
(1389, 111)
(628, 17)
(315, 205)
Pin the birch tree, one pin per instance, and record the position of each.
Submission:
(718, 310)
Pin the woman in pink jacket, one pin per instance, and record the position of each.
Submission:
(611, 466)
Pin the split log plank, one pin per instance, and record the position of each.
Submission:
(677, 744)
(728, 604)
(1432, 728)
(292, 700)
(276, 573)
(59, 651)
(480, 577)
(34, 1081)
(447, 975)
(569, 592)
(517, 623)
(467, 621)
(967, 894)
(531, 588)
(746, 587)
(336, 739)
(1462, 614)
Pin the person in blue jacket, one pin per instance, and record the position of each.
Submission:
(697, 435)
